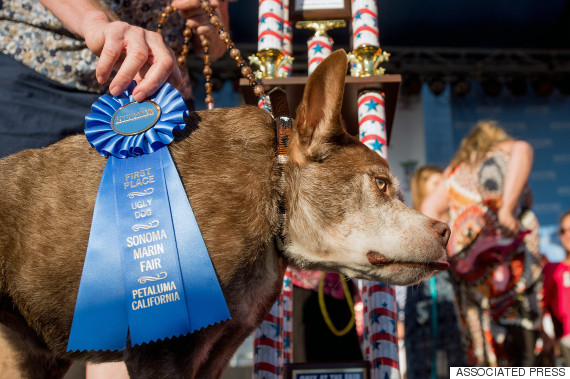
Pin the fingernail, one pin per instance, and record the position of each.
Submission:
(137, 96)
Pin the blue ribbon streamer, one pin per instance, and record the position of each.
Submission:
(156, 287)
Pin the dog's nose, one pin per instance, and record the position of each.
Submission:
(442, 230)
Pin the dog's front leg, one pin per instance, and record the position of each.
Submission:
(222, 351)
(174, 358)
(21, 358)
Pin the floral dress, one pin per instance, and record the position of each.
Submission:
(32, 35)
(498, 279)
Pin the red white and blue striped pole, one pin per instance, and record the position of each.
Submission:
(380, 341)
(287, 44)
(379, 315)
(319, 47)
(270, 25)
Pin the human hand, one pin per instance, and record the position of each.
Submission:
(136, 54)
(511, 226)
(199, 21)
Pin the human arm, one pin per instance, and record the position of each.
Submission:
(518, 171)
(139, 54)
(436, 204)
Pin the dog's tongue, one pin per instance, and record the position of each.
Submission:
(441, 265)
(376, 258)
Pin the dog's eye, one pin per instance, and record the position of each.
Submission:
(382, 184)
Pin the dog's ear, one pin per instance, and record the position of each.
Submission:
(318, 119)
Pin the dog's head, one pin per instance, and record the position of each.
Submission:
(343, 209)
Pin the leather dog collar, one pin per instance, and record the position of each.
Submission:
(283, 131)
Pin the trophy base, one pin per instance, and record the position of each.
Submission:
(268, 63)
(366, 60)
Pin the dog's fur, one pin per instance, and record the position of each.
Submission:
(338, 219)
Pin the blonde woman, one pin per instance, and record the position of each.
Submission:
(424, 182)
(493, 245)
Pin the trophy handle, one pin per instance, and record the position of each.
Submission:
(355, 64)
(256, 66)
(285, 60)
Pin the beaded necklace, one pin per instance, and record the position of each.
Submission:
(235, 54)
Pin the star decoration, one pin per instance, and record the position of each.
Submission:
(375, 345)
(357, 16)
(376, 145)
(375, 317)
(371, 104)
(277, 329)
(318, 48)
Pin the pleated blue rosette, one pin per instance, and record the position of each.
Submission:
(107, 141)
(147, 273)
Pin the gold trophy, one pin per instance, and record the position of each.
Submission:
(366, 61)
(267, 63)
(320, 27)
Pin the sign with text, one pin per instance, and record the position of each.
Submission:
(312, 10)
(329, 370)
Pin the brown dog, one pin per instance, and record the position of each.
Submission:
(343, 214)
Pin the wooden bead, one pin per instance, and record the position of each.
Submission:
(246, 71)
(208, 86)
(258, 90)
(168, 9)
(181, 60)
(209, 99)
(235, 53)
(215, 20)
(225, 36)
(204, 42)
(207, 71)
(187, 32)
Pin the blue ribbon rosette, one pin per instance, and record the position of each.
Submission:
(147, 272)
